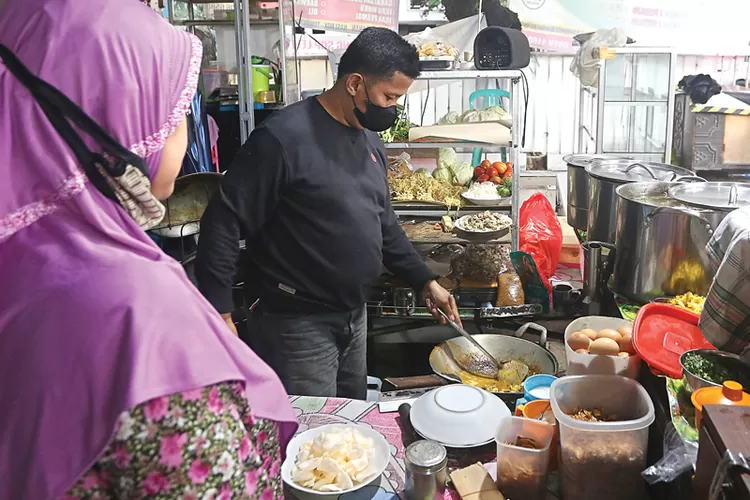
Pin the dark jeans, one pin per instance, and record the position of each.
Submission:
(314, 355)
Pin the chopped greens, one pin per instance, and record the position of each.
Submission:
(712, 370)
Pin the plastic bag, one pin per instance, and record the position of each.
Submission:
(679, 457)
(534, 290)
(509, 290)
(481, 263)
(540, 235)
(585, 64)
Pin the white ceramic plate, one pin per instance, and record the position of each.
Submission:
(458, 416)
(485, 202)
(381, 457)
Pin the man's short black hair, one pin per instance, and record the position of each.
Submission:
(380, 53)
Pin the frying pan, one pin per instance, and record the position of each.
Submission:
(187, 204)
(503, 348)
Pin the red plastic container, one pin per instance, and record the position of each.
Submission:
(662, 333)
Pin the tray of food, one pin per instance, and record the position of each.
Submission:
(485, 225)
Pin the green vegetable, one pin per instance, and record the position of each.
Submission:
(423, 171)
(463, 172)
(450, 119)
(711, 370)
(399, 132)
(446, 158)
(443, 174)
(503, 191)
(508, 183)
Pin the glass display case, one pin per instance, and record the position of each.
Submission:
(628, 112)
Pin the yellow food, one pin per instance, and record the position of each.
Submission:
(690, 301)
(437, 49)
(578, 341)
(609, 334)
(604, 346)
(688, 275)
(494, 385)
(417, 187)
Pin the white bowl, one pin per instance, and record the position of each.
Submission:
(458, 416)
(492, 202)
(589, 364)
(380, 457)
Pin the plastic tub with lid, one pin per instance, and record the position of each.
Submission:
(589, 364)
(730, 394)
(602, 460)
(522, 472)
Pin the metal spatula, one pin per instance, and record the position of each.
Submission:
(484, 366)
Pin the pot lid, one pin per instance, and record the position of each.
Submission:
(662, 333)
(717, 195)
(730, 393)
(581, 160)
(624, 170)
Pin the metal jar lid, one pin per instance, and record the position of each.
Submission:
(426, 457)
(622, 171)
(712, 195)
(583, 160)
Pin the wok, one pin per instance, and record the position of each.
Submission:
(187, 204)
(503, 348)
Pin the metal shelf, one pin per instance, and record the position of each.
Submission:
(468, 74)
(489, 148)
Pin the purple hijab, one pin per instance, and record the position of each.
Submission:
(94, 318)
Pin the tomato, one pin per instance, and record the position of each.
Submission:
(478, 171)
(492, 172)
(500, 166)
(485, 164)
(483, 178)
(508, 173)
(496, 180)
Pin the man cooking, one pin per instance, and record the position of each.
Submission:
(309, 192)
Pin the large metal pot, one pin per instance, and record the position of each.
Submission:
(661, 242)
(578, 187)
(605, 176)
(503, 348)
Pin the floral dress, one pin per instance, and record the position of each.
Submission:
(196, 445)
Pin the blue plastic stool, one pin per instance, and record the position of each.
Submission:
(492, 97)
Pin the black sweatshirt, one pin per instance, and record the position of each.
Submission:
(310, 195)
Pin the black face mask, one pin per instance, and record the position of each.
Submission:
(375, 118)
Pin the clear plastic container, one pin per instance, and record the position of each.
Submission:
(602, 460)
(522, 472)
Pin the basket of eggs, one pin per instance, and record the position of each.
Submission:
(599, 345)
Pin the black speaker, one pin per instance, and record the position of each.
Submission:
(501, 48)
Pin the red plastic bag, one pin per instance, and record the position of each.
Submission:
(540, 235)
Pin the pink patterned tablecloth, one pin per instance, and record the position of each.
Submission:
(314, 412)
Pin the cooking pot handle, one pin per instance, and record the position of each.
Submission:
(542, 332)
(689, 178)
(644, 167)
(687, 211)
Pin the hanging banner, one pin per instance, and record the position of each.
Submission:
(349, 16)
(551, 24)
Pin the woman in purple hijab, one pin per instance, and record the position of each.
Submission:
(117, 379)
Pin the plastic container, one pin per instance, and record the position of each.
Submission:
(662, 333)
(602, 460)
(730, 393)
(537, 387)
(522, 472)
(533, 410)
(589, 364)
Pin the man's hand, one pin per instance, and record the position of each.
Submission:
(228, 319)
(437, 297)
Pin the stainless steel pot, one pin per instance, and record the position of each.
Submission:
(661, 243)
(578, 187)
(605, 176)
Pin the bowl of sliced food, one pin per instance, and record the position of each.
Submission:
(335, 459)
(485, 194)
(710, 368)
(488, 225)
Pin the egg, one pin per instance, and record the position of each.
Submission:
(579, 340)
(609, 334)
(626, 344)
(623, 355)
(589, 333)
(625, 330)
(604, 346)
(582, 351)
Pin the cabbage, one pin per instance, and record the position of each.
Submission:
(463, 172)
(450, 119)
(497, 110)
(423, 171)
(446, 157)
(471, 116)
(443, 174)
